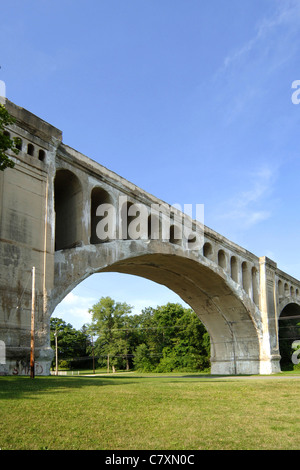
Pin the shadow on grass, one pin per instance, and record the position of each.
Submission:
(25, 387)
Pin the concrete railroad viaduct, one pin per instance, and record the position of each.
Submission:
(48, 220)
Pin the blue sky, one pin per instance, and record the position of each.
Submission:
(188, 99)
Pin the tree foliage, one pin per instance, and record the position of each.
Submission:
(111, 322)
(184, 343)
(6, 143)
(71, 343)
(163, 339)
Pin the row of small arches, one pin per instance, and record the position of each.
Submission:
(30, 149)
(69, 216)
(249, 277)
(285, 290)
(68, 229)
(241, 272)
(152, 230)
(68, 196)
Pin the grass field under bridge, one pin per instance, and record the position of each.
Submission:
(150, 412)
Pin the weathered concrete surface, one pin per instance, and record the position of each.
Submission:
(48, 220)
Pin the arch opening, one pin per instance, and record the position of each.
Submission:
(30, 150)
(151, 339)
(68, 210)
(235, 346)
(208, 250)
(175, 234)
(255, 285)
(42, 155)
(289, 332)
(154, 227)
(222, 259)
(101, 204)
(234, 270)
(246, 279)
(19, 144)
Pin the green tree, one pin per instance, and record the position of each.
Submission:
(143, 361)
(185, 344)
(6, 143)
(171, 337)
(164, 339)
(112, 325)
(152, 336)
(71, 343)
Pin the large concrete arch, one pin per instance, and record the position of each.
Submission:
(68, 203)
(224, 308)
(286, 302)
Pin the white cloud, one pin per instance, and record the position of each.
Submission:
(74, 309)
(261, 183)
(70, 299)
(247, 73)
(286, 15)
(249, 207)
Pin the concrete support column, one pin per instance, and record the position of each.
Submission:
(269, 353)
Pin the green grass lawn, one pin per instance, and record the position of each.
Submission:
(136, 411)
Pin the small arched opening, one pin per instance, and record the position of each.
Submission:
(222, 259)
(207, 250)
(68, 210)
(175, 234)
(42, 155)
(154, 227)
(255, 284)
(280, 288)
(134, 221)
(103, 217)
(30, 150)
(234, 269)
(246, 277)
(19, 144)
